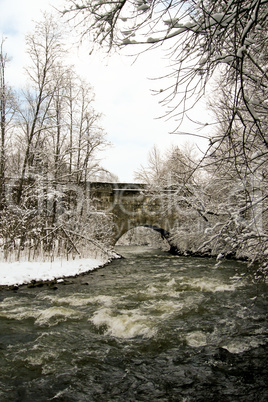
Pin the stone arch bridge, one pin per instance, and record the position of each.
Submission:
(130, 206)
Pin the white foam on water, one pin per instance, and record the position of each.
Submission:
(242, 345)
(172, 282)
(104, 300)
(196, 339)
(42, 338)
(144, 320)
(18, 313)
(79, 299)
(164, 308)
(39, 358)
(208, 285)
(124, 324)
(9, 302)
(162, 275)
(61, 394)
(54, 315)
(14, 309)
(152, 290)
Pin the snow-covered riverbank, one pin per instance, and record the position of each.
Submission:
(18, 273)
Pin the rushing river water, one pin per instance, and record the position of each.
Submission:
(150, 327)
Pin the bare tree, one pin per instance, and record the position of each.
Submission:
(151, 173)
(45, 49)
(173, 168)
(85, 137)
(7, 110)
(3, 101)
(55, 140)
(221, 211)
(238, 188)
(199, 37)
(3, 125)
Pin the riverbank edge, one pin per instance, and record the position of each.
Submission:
(62, 279)
(65, 280)
(258, 268)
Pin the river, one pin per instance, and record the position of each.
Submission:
(149, 327)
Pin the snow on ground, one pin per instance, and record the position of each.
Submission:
(18, 273)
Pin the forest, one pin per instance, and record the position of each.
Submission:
(50, 132)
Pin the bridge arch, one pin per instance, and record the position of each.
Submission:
(130, 206)
(135, 236)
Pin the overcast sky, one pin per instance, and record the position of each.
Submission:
(123, 91)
